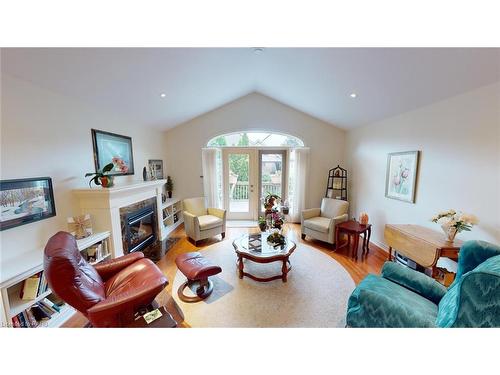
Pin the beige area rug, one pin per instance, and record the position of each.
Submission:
(315, 295)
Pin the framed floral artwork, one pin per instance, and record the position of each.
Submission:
(401, 177)
(111, 147)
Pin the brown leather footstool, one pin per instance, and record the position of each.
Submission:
(197, 270)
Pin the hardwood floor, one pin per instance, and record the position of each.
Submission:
(358, 269)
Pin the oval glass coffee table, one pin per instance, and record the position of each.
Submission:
(255, 248)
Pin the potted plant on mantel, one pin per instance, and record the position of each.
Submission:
(169, 186)
(103, 178)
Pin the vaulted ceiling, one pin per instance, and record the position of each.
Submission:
(317, 81)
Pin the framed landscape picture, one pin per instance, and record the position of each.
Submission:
(25, 201)
(109, 146)
(401, 175)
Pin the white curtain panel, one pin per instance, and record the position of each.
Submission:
(299, 173)
(209, 165)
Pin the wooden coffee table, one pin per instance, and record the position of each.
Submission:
(353, 229)
(255, 247)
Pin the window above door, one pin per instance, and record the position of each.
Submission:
(255, 139)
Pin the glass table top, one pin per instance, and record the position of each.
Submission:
(257, 245)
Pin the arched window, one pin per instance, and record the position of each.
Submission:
(255, 139)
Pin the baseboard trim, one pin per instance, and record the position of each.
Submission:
(381, 246)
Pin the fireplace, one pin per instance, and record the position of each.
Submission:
(139, 226)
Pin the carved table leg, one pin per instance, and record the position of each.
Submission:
(368, 240)
(284, 270)
(364, 244)
(240, 266)
(355, 245)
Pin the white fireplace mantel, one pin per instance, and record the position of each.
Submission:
(103, 204)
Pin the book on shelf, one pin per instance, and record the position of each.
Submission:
(22, 320)
(44, 286)
(31, 318)
(15, 322)
(29, 289)
(48, 309)
(39, 314)
(55, 299)
(51, 304)
(105, 247)
(94, 253)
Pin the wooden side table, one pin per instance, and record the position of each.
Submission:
(422, 245)
(353, 229)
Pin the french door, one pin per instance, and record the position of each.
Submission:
(272, 175)
(240, 189)
(249, 175)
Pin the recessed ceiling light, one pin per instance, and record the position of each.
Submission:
(258, 50)
(353, 95)
(163, 95)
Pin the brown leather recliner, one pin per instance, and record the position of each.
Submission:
(109, 293)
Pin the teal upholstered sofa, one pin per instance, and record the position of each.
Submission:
(402, 297)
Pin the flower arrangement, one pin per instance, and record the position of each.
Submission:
(269, 201)
(453, 222)
(276, 239)
(103, 177)
(276, 219)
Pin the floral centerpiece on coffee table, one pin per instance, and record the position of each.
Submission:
(276, 239)
(453, 222)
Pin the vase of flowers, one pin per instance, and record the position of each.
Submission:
(269, 201)
(275, 220)
(103, 177)
(453, 222)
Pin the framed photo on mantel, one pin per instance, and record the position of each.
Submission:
(110, 146)
(156, 169)
(401, 177)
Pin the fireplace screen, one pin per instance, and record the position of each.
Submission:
(139, 229)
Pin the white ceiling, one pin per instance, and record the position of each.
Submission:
(317, 81)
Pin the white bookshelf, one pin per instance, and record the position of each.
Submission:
(96, 239)
(19, 269)
(171, 215)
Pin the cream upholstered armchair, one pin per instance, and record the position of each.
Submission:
(201, 222)
(320, 223)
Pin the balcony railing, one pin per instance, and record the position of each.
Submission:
(240, 190)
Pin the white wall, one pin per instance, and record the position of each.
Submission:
(459, 140)
(251, 112)
(46, 134)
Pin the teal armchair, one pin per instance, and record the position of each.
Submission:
(402, 297)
